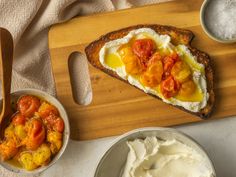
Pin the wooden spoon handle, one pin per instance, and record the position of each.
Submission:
(6, 60)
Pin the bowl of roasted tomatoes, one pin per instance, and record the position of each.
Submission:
(37, 133)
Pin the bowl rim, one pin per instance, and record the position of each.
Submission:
(66, 132)
(206, 30)
(173, 130)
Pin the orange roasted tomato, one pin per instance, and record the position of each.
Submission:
(54, 123)
(169, 62)
(153, 75)
(18, 119)
(27, 105)
(169, 87)
(143, 48)
(132, 63)
(36, 134)
(8, 149)
(59, 125)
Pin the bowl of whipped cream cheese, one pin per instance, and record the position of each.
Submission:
(218, 20)
(154, 152)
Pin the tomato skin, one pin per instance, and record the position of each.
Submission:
(133, 64)
(143, 48)
(36, 134)
(175, 56)
(55, 139)
(54, 123)
(170, 87)
(169, 62)
(59, 125)
(47, 109)
(153, 74)
(154, 58)
(187, 88)
(18, 119)
(49, 121)
(28, 105)
(181, 71)
(8, 149)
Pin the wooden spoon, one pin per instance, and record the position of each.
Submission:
(6, 60)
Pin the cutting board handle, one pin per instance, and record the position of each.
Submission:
(80, 78)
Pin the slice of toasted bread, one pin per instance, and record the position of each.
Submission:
(178, 36)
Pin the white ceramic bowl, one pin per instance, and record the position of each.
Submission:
(204, 25)
(66, 134)
(114, 159)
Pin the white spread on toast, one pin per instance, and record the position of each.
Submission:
(163, 43)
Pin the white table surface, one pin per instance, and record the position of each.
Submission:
(218, 138)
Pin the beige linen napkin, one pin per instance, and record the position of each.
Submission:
(29, 22)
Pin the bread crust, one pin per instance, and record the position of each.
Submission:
(178, 36)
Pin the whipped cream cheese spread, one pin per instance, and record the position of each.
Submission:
(163, 43)
(153, 157)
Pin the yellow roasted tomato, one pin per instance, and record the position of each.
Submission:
(20, 132)
(132, 63)
(26, 160)
(9, 132)
(181, 71)
(42, 155)
(47, 109)
(187, 88)
(55, 138)
(125, 50)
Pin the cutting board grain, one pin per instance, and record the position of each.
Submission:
(117, 107)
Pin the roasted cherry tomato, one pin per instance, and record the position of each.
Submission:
(153, 75)
(154, 58)
(59, 125)
(169, 62)
(49, 121)
(8, 149)
(132, 64)
(28, 105)
(181, 71)
(55, 139)
(47, 109)
(143, 48)
(125, 50)
(36, 134)
(54, 123)
(187, 88)
(18, 119)
(169, 87)
(26, 160)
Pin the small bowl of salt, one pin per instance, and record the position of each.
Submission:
(218, 20)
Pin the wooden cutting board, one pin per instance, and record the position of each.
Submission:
(117, 107)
